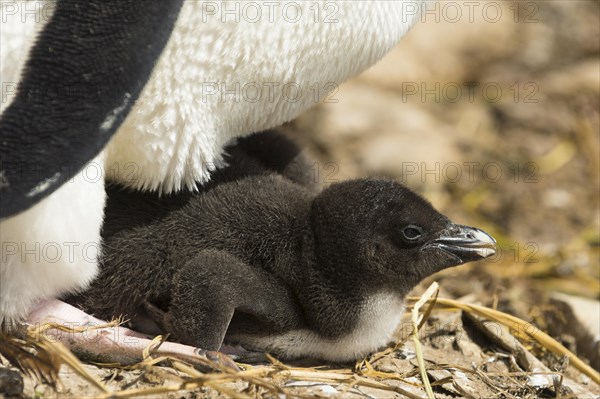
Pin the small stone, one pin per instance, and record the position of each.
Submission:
(11, 382)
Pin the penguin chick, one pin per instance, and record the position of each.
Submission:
(264, 262)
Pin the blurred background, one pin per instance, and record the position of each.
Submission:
(491, 111)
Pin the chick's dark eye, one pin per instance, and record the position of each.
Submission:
(412, 232)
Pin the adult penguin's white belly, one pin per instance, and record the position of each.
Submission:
(226, 69)
(218, 79)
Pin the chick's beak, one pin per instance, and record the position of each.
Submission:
(465, 243)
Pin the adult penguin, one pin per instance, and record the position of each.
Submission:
(148, 94)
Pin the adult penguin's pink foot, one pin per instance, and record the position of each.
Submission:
(106, 343)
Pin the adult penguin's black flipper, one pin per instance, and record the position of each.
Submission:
(85, 71)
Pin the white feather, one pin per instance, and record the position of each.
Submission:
(218, 79)
(21, 21)
(378, 319)
(53, 247)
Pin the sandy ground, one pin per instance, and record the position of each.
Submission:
(496, 121)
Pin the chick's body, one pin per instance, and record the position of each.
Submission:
(259, 257)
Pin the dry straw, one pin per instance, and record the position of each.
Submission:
(270, 380)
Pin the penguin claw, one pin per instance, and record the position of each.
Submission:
(107, 343)
(221, 359)
(242, 355)
(251, 357)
